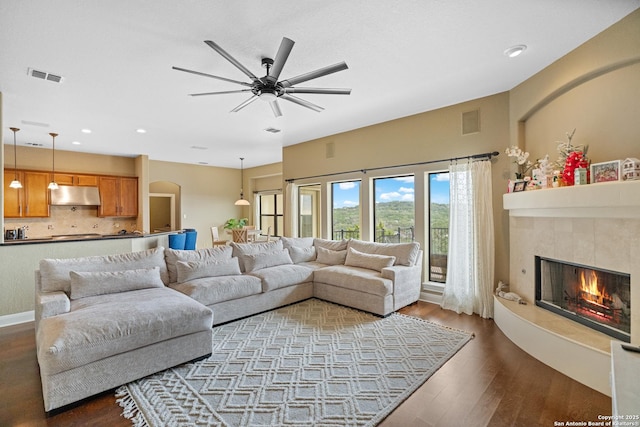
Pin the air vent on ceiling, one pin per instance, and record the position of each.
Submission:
(273, 130)
(32, 123)
(34, 144)
(197, 147)
(44, 75)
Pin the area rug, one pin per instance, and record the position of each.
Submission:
(309, 364)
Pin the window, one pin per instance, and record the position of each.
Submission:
(346, 210)
(394, 210)
(309, 211)
(438, 226)
(270, 212)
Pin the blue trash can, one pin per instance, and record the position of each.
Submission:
(177, 241)
(190, 240)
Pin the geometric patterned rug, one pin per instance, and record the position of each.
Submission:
(309, 364)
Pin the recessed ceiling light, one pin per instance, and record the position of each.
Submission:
(85, 130)
(141, 130)
(514, 51)
(76, 142)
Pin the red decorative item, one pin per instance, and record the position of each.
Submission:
(574, 160)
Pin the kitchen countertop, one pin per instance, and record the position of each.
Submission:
(77, 238)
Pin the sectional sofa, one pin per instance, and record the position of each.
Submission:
(103, 321)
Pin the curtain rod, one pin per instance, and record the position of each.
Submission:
(451, 159)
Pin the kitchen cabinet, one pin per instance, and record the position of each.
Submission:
(30, 201)
(118, 196)
(79, 180)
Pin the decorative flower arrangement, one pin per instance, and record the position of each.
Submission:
(571, 157)
(521, 159)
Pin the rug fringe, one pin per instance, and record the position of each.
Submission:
(473, 334)
(129, 408)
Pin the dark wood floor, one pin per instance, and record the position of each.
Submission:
(490, 382)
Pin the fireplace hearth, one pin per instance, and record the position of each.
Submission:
(597, 298)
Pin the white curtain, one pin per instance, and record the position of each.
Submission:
(469, 285)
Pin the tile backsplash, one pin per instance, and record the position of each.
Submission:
(71, 220)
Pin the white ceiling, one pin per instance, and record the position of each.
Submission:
(404, 57)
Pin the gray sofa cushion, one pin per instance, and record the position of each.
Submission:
(371, 261)
(254, 262)
(190, 270)
(329, 257)
(55, 272)
(111, 324)
(172, 256)
(297, 242)
(299, 254)
(88, 284)
(334, 245)
(242, 249)
(283, 276)
(357, 279)
(405, 253)
(212, 290)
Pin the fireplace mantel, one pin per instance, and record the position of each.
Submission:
(604, 200)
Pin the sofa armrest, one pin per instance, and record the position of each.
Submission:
(400, 274)
(50, 304)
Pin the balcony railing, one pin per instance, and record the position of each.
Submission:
(398, 235)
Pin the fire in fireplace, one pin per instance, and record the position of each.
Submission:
(600, 299)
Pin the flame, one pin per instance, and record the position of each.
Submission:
(590, 288)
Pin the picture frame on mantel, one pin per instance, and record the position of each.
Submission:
(519, 186)
(606, 171)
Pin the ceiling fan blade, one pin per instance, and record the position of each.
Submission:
(320, 90)
(281, 57)
(212, 76)
(302, 102)
(220, 93)
(275, 107)
(231, 59)
(315, 74)
(244, 104)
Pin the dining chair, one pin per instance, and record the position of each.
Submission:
(251, 235)
(215, 237)
(239, 235)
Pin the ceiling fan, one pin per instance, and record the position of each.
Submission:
(269, 88)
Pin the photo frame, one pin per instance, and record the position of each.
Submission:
(606, 171)
(519, 185)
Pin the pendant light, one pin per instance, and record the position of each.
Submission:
(16, 182)
(53, 185)
(241, 201)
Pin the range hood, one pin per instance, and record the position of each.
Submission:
(67, 195)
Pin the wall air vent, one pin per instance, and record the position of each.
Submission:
(272, 130)
(43, 75)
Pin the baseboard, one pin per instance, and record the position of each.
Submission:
(14, 319)
(431, 297)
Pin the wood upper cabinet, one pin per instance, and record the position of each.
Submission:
(79, 180)
(118, 196)
(30, 201)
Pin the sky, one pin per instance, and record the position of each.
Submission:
(346, 194)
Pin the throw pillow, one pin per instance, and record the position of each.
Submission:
(334, 245)
(405, 253)
(242, 249)
(172, 256)
(327, 256)
(191, 270)
(299, 255)
(91, 283)
(369, 261)
(262, 260)
(297, 242)
(54, 273)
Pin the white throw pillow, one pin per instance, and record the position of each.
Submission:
(327, 256)
(369, 261)
(297, 242)
(172, 256)
(334, 245)
(242, 249)
(262, 260)
(299, 254)
(91, 283)
(191, 270)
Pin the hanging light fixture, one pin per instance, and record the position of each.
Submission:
(241, 201)
(16, 182)
(53, 185)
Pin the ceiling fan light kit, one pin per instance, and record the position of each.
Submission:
(269, 88)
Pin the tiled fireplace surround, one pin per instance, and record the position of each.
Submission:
(594, 225)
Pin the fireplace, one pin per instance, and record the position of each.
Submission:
(600, 299)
